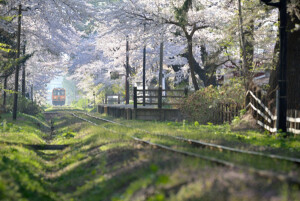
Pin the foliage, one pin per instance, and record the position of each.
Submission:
(81, 103)
(24, 105)
(204, 105)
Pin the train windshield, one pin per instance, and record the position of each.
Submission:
(58, 92)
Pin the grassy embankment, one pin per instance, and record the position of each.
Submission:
(101, 165)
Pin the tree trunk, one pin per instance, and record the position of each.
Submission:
(247, 48)
(191, 62)
(293, 61)
(209, 77)
(273, 78)
(15, 106)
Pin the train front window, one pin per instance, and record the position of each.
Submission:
(58, 92)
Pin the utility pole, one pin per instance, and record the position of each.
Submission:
(15, 107)
(161, 59)
(31, 89)
(4, 91)
(144, 71)
(127, 73)
(94, 99)
(281, 98)
(23, 75)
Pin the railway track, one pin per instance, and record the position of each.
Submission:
(205, 144)
(263, 173)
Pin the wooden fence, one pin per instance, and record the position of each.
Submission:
(265, 117)
(226, 112)
(160, 96)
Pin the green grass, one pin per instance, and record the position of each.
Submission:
(104, 165)
(222, 135)
(27, 129)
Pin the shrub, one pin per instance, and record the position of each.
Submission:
(203, 105)
(24, 105)
(28, 107)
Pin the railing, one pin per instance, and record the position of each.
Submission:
(266, 119)
(112, 98)
(158, 94)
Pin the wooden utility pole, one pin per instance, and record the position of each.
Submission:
(144, 72)
(281, 98)
(127, 73)
(161, 60)
(94, 94)
(4, 91)
(31, 89)
(15, 107)
(23, 75)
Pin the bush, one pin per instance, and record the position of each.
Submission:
(81, 103)
(28, 107)
(24, 105)
(203, 105)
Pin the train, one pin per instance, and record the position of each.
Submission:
(58, 96)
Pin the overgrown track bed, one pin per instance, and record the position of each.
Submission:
(204, 144)
(224, 159)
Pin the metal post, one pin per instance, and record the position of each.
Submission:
(127, 73)
(135, 97)
(15, 108)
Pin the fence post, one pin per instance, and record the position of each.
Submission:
(222, 113)
(248, 99)
(159, 97)
(135, 97)
(230, 112)
(105, 99)
(119, 99)
(186, 92)
(296, 116)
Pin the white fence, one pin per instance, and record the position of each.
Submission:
(266, 119)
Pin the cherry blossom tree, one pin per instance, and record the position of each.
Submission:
(186, 18)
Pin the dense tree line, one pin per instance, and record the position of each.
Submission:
(86, 40)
